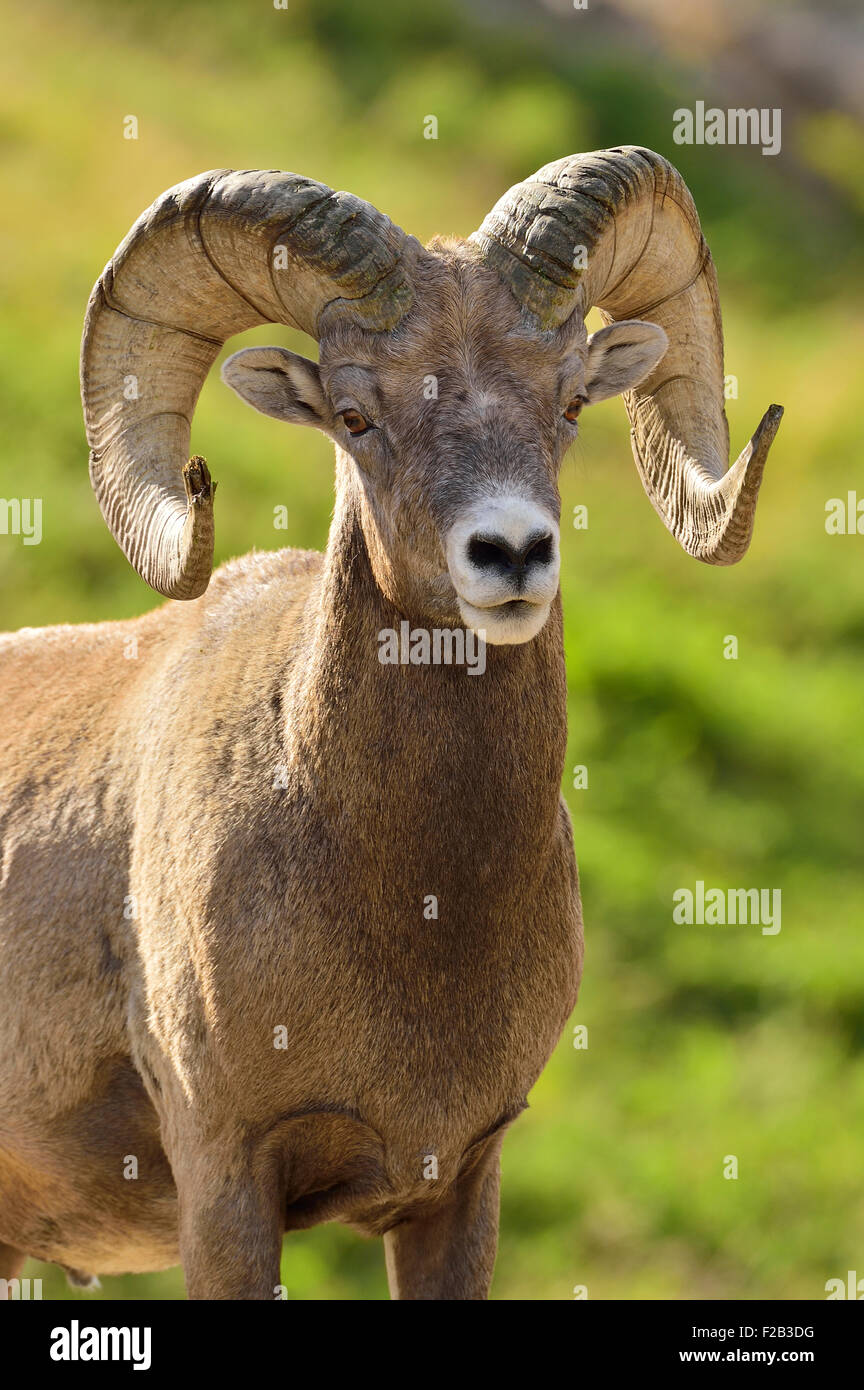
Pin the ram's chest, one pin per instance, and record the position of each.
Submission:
(390, 1010)
(396, 1030)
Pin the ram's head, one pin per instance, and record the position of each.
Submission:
(449, 377)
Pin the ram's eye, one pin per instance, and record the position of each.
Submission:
(574, 408)
(355, 423)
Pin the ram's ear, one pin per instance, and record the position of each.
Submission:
(279, 383)
(620, 356)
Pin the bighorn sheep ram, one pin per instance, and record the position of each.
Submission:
(218, 966)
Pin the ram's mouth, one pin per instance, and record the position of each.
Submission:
(510, 622)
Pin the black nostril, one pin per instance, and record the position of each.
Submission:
(539, 552)
(497, 554)
(490, 555)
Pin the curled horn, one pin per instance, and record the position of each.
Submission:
(213, 256)
(618, 229)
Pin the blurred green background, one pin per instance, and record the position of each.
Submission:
(703, 1041)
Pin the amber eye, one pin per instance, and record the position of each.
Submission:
(355, 423)
(574, 408)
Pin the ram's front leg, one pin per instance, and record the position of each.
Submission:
(231, 1222)
(11, 1264)
(449, 1252)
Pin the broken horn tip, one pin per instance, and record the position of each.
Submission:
(196, 476)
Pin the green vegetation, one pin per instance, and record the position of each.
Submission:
(703, 1041)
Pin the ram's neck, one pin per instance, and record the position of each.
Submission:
(449, 764)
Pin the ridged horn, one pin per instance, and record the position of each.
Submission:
(206, 261)
(618, 229)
